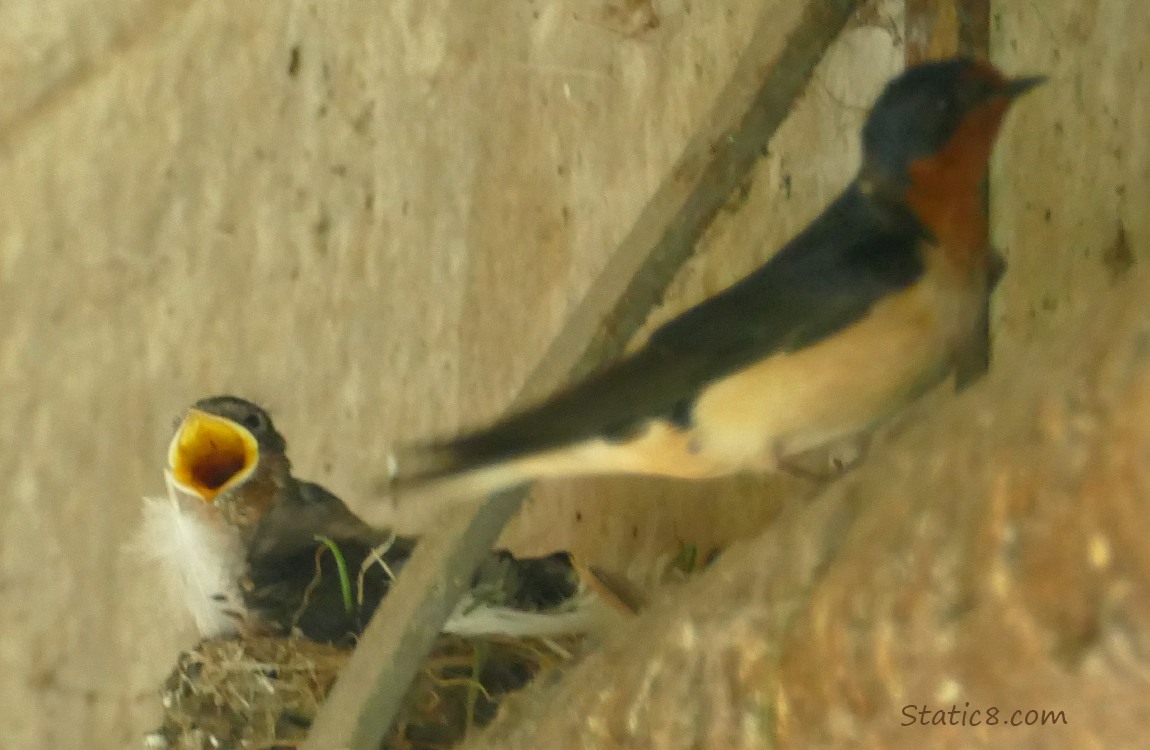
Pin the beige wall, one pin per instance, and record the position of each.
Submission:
(379, 245)
(1072, 188)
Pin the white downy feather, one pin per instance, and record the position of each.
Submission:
(583, 613)
(199, 556)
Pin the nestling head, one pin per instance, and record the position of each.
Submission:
(222, 444)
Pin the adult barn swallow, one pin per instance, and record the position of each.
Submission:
(875, 302)
(249, 547)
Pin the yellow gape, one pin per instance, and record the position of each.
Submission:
(209, 454)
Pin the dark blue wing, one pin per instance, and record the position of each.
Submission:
(825, 279)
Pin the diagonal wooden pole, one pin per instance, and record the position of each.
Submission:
(366, 698)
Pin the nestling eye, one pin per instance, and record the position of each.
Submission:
(254, 421)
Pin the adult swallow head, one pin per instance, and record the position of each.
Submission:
(876, 301)
(939, 118)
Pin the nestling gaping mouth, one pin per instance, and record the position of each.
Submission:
(209, 454)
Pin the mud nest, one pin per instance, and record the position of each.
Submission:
(263, 692)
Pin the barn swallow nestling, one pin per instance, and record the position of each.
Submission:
(879, 299)
(249, 547)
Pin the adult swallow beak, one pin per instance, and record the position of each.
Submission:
(209, 454)
(1016, 87)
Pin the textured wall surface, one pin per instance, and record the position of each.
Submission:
(1071, 188)
(372, 217)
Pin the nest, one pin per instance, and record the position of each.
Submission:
(262, 693)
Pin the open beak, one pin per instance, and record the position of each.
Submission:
(1016, 87)
(209, 454)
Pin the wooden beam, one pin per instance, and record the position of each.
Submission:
(944, 28)
(760, 94)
